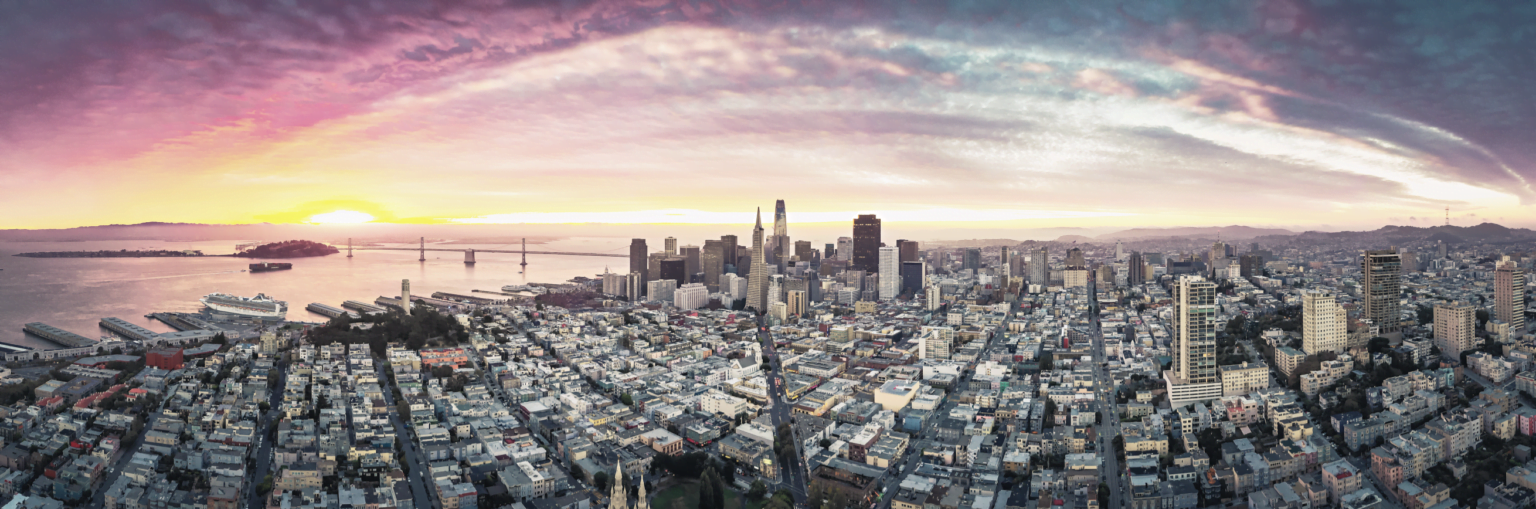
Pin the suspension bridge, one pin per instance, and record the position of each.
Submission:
(469, 254)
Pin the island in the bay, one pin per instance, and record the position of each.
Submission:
(289, 249)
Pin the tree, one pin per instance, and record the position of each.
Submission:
(719, 488)
(1047, 361)
(825, 443)
(707, 494)
(627, 399)
(1103, 494)
(576, 471)
(758, 490)
(601, 481)
(1473, 390)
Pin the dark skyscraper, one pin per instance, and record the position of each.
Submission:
(803, 250)
(1075, 259)
(638, 258)
(675, 269)
(972, 259)
(907, 251)
(830, 252)
(1381, 290)
(1251, 264)
(728, 254)
(712, 262)
(1135, 269)
(912, 276)
(690, 256)
(866, 243)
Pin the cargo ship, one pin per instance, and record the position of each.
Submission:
(260, 306)
(270, 266)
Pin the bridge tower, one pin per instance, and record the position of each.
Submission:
(349, 247)
(469, 257)
(525, 254)
(423, 250)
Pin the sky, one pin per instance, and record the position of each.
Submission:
(971, 113)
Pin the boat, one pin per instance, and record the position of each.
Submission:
(270, 266)
(260, 306)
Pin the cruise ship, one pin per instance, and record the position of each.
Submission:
(260, 306)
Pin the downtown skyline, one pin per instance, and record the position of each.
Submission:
(1091, 114)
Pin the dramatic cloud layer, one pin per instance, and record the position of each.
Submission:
(1159, 112)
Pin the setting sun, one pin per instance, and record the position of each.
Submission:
(341, 217)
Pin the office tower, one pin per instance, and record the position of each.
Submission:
(972, 259)
(1106, 276)
(405, 296)
(1119, 251)
(796, 300)
(729, 255)
(935, 342)
(1324, 327)
(1135, 269)
(890, 273)
(733, 287)
(813, 287)
(912, 276)
(669, 245)
(871, 287)
(866, 243)
(1442, 250)
(675, 269)
(1154, 259)
(803, 251)
(711, 262)
(653, 265)
(757, 280)
(1002, 259)
(1075, 259)
(830, 252)
(638, 259)
(932, 297)
(1039, 267)
(1381, 290)
(854, 278)
(1251, 264)
(908, 250)
(780, 221)
(661, 290)
(1074, 277)
(690, 296)
(775, 290)
(1410, 262)
(1193, 377)
(691, 259)
(634, 286)
(1509, 295)
(1455, 329)
(845, 249)
(613, 284)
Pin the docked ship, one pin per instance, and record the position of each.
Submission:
(260, 306)
(270, 266)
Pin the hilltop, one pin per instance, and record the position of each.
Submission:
(289, 249)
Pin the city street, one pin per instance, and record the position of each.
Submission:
(420, 491)
(1109, 424)
(263, 456)
(779, 412)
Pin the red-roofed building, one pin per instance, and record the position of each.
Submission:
(51, 404)
(165, 358)
(96, 399)
(135, 394)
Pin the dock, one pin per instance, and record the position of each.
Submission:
(363, 307)
(128, 330)
(57, 335)
(464, 298)
(331, 311)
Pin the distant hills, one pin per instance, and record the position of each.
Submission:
(1234, 232)
(1400, 235)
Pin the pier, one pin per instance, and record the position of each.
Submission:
(57, 335)
(128, 330)
(331, 311)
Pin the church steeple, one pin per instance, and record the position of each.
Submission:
(618, 498)
(642, 503)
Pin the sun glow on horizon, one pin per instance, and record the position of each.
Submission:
(341, 217)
